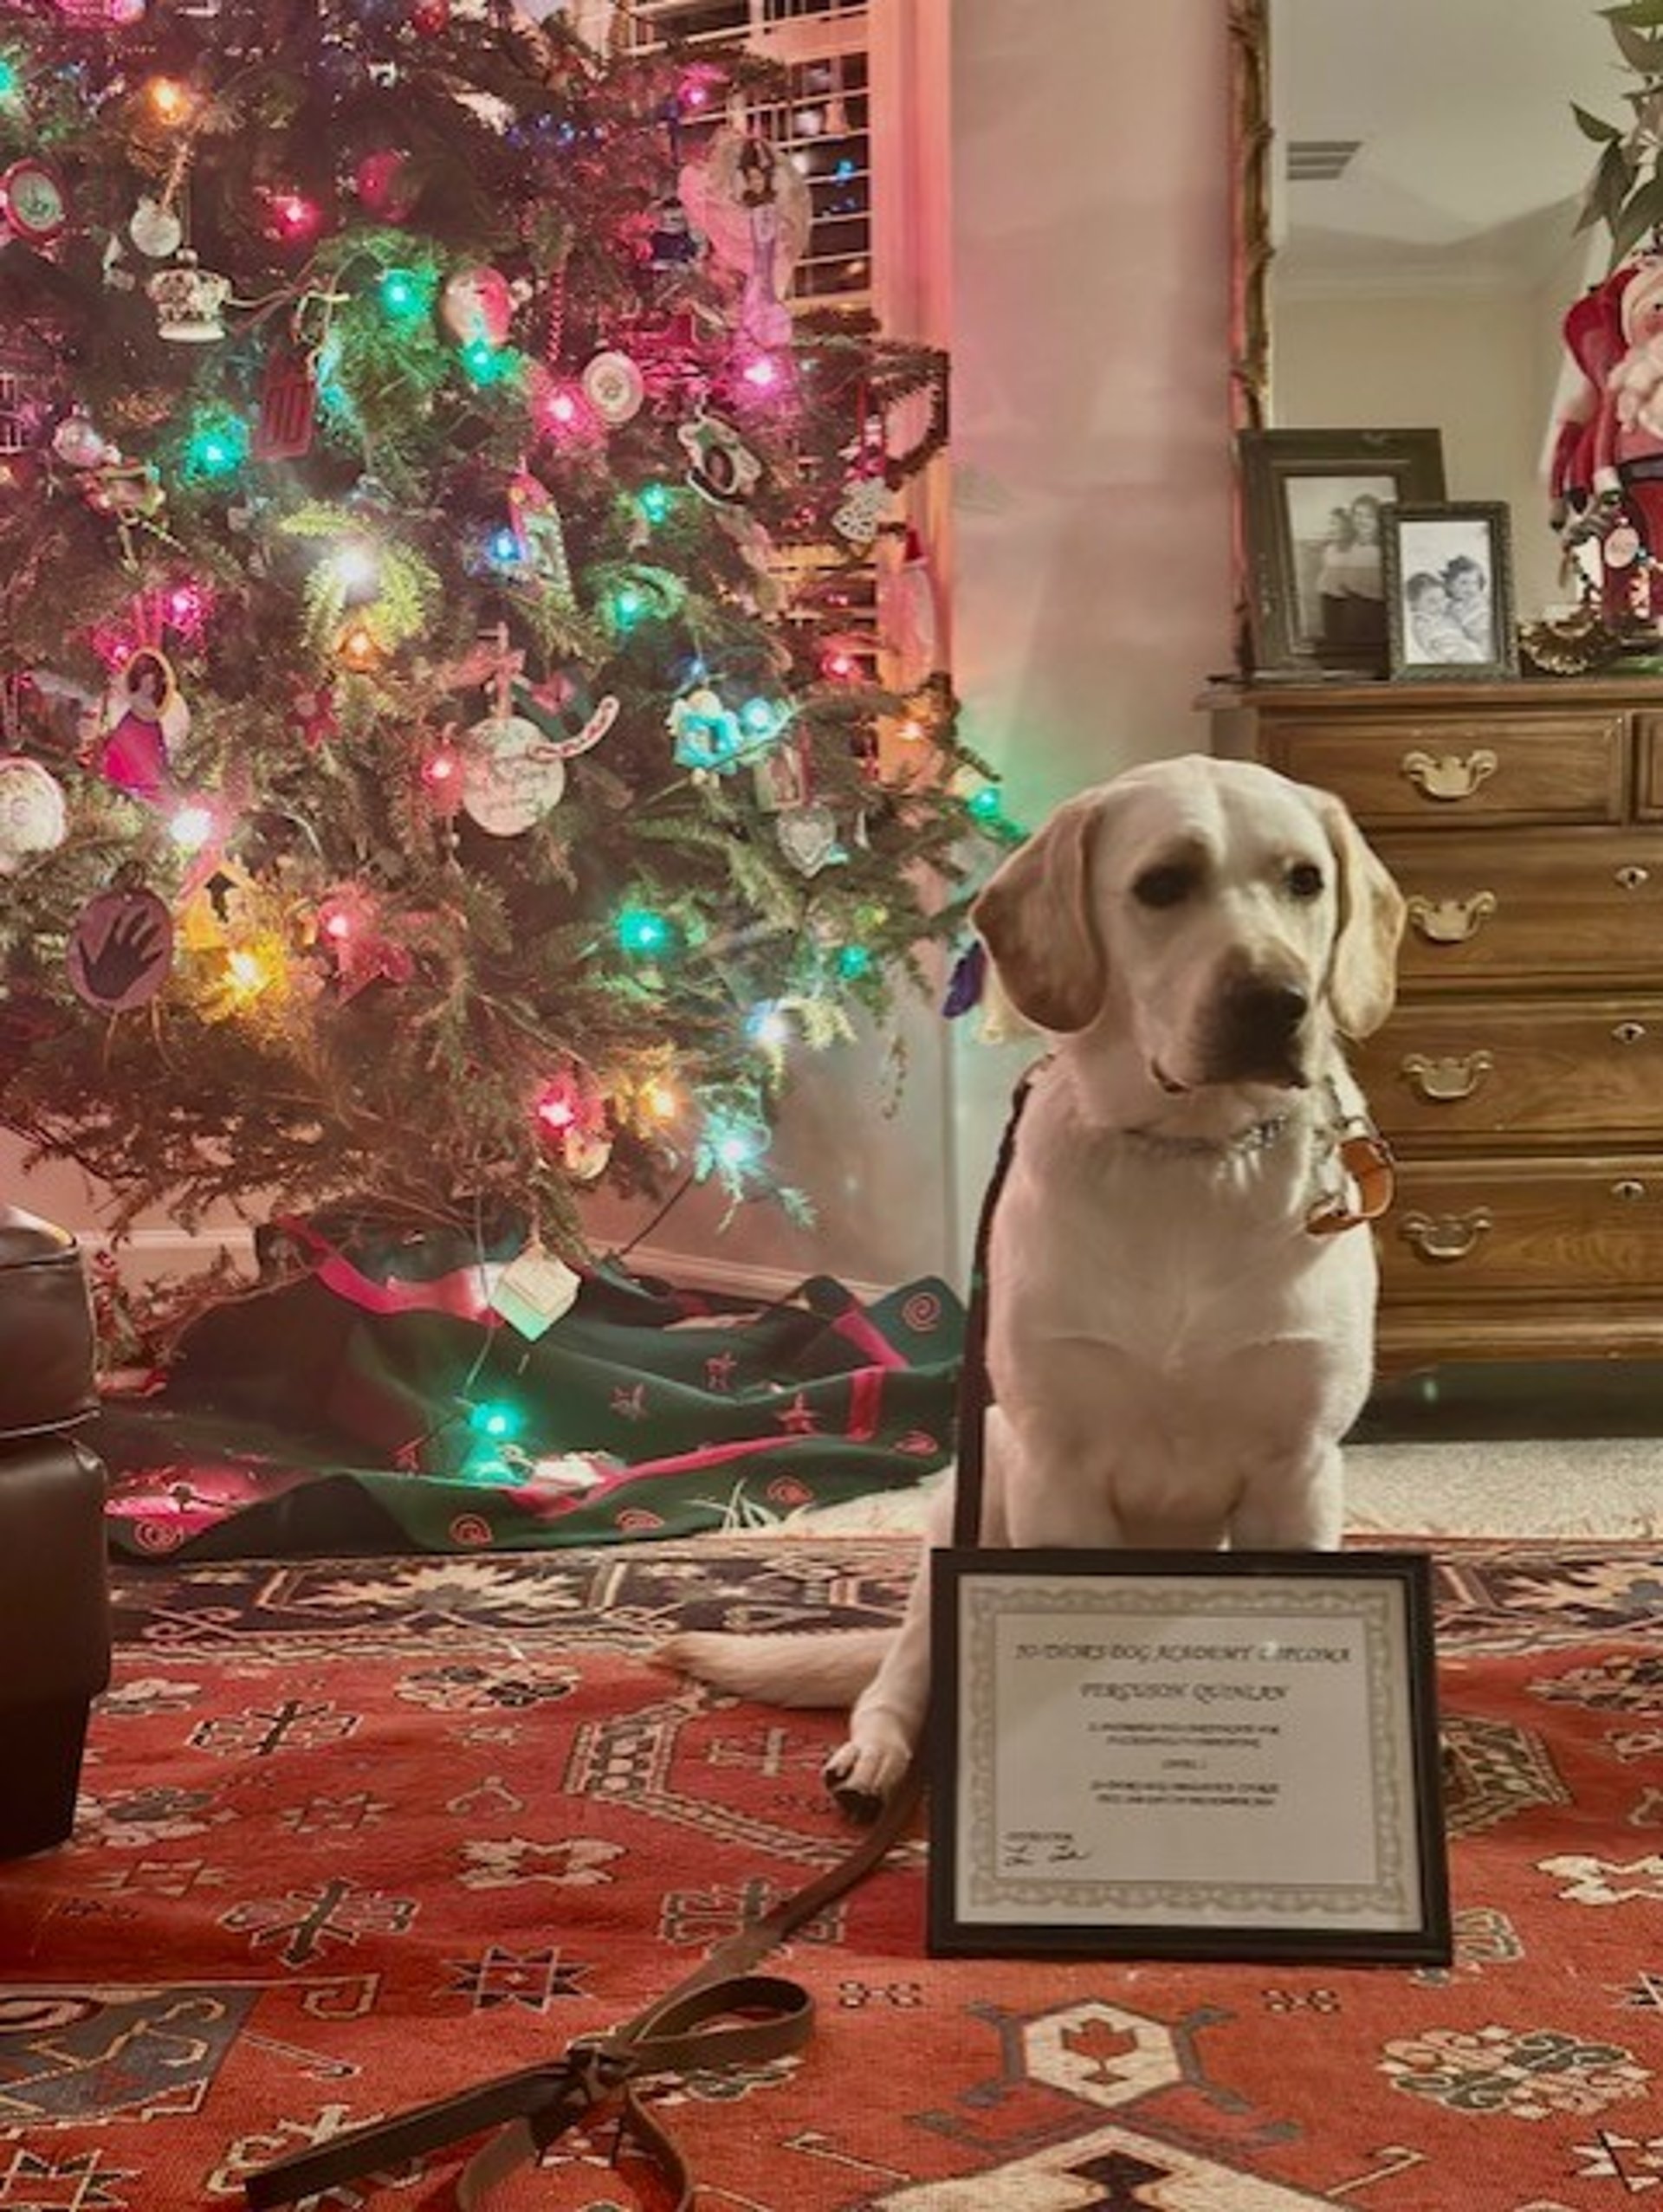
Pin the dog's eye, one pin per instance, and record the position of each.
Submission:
(1306, 879)
(1165, 886)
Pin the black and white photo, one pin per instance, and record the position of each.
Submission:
(1448, 581)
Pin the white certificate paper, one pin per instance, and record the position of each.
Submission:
(1241, 1749)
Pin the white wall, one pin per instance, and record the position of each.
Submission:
(1090, 197)
(1473, 366)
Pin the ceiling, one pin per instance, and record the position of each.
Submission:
(1471, 163)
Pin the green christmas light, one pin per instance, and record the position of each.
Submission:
(985, 805)
(12, 80)
(484, 363)
(629, 605)
(655, 502)
(217, 446)
(642, 933)
(853, 962)
(496, 1418)
(403, 296)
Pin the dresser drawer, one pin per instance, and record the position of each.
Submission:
(1651, 765)
(1533, 1068)
(1573, 1228)
(1455, 771)
(1534, 907)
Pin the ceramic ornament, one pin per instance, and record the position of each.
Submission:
(33, 816)
(34, 202)
(190, 300)
(477, 303)
(155, 230)
(614, 387)
(808, 836)
(121, 950)
(721, 467)
(511, 776)
(706, 733)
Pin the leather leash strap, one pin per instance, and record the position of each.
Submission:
(722, 2014)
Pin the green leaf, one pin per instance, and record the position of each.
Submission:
(1593, 127)
(1612, 182)
(1644, 54)
(1637, 15)
(1642, 213)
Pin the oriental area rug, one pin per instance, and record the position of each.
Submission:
(354, 1833)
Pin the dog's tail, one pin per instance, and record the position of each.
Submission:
(825, 1667)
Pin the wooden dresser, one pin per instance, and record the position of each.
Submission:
(1521, 1079)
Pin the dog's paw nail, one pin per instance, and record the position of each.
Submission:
(860, 1805)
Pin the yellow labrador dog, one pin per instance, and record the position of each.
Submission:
(1174, 1354)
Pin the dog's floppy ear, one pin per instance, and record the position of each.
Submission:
(1035, 916)
(1363, 975)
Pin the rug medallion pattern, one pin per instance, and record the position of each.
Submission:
(354, 1833)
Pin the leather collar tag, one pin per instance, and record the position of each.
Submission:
(1369, 1184)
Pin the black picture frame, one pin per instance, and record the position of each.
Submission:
(1457, 638)
(1317, 602)
(1185, 1792)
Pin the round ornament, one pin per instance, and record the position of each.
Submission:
(614, 387)
(155, 230)
(512, 776)
(385, 182)
(79, 444)
(477, 303)
(33, 818)
(121, 950)
(34, 202)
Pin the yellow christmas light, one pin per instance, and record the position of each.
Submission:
(170, 102)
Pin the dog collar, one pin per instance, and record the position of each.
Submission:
(1258, 1137)
(1368, 1174)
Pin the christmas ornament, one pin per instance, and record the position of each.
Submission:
(155, 230)
(780, 778)
(672, 243)
(753, 205)
(385, 181)
(614, 387)
(706, 733)
(565, 710)
(78, 443)
(429, 18)
(121, 950)
(477, 305)
(127, 492)
(721, 467)
(189, 301)
(808, 836)
(538, 537)
(219, 904)
(907, 615)
(284, 427)
(511, 775)
(33, 202)
(27, 373)
(143, 716)
(861, 510)
(33, 818)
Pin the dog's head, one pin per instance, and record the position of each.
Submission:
(1222, 918)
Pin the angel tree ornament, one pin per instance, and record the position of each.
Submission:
(753, 205)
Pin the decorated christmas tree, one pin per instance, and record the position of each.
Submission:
(446, 762)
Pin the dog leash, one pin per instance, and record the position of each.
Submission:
(722, 2016)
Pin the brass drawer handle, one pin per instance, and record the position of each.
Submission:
(1449, 775)
(1628, 1190)
(1452, 921)
(1450, 1237)
(1629, 1032)
(1634, 878)
(1445, 1081)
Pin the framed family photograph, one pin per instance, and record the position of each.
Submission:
(1449, 591)
(1186, 1756)
(1314, 504)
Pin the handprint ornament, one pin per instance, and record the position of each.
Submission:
(121, 950)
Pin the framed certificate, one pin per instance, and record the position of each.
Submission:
(1197, 1754)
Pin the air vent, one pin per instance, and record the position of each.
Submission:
(1319, 161)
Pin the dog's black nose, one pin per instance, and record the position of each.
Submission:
(1258, 1029)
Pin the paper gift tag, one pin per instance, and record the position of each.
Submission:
(533, 1291)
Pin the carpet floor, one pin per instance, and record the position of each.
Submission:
(354, 1833)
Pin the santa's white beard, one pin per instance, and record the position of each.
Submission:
(1637, 387)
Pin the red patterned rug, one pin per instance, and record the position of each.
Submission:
(355, 1833)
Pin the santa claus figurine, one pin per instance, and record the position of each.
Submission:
(1606, 469)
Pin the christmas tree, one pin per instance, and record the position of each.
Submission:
(444, 763)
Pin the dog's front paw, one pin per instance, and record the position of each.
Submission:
(861, 1773)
